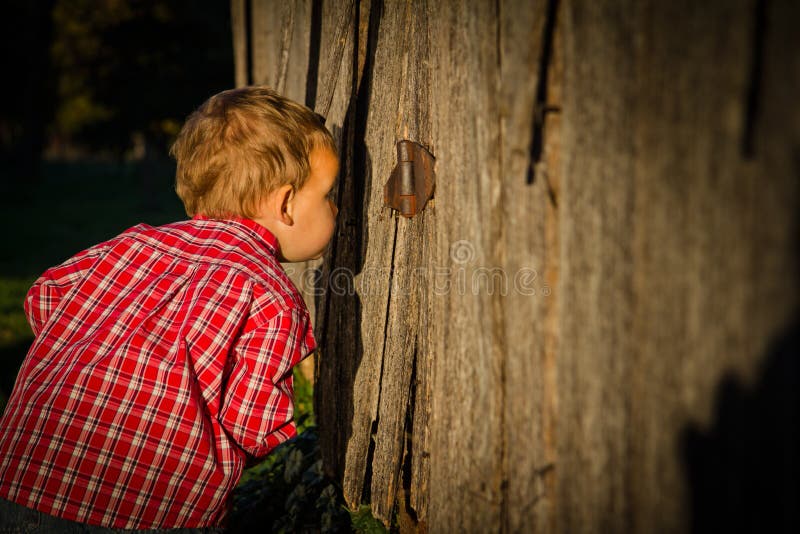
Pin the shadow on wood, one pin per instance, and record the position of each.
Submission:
(742, 472)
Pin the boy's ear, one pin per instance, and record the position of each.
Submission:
(281, 204)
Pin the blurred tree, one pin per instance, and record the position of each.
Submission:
(95, 75)
(128, 67)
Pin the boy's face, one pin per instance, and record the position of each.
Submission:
(311, 211)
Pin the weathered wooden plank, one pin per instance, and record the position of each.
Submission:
(417, 107)
(280, 42)
(661, 223)
(398, 360)
(372, 147)
(596, 294)
(374, 144)
(267, 26)
(699, 216)
(371, 280)
(338, 308)
(696, 274)
(427, 332)
(379, 93)
(401, 58)
(527, 59)
(240, 52)
(466, 479)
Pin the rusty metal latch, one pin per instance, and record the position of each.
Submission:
(411, 183)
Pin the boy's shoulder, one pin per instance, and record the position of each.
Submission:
(232, 245)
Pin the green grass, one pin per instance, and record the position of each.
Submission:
(13, 326)
(15, 334)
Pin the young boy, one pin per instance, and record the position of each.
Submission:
(162, 359)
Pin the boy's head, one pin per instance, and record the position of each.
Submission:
(241, 145)
(247, 152)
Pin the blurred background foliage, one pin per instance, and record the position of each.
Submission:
(95, 92)
(106, 77)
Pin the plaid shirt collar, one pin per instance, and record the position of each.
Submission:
(263, 235)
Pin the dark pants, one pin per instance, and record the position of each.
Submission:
(19, 519)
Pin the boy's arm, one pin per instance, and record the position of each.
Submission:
(258, 405)
(46, 293)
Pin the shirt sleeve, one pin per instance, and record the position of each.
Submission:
(48, 290)
(257, 406)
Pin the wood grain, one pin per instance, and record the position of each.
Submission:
(529, 99)
(629, 169)
(402, 47)
(466, 424)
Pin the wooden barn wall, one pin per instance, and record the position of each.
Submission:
(678, 234)
(610, 263)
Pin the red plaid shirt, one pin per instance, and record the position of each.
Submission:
(161, 365)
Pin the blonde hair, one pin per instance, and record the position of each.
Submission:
(241, 145)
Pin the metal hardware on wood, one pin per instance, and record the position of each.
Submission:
(412, 181)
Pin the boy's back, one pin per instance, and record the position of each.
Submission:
(162, 360)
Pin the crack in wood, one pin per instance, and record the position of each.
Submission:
(406, 470)
(367, 481)
(248, 31)
(363, 98)
(540, 107)
(313, 53)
